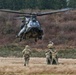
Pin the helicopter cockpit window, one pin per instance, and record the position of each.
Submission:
(34, 20)
(27, 20)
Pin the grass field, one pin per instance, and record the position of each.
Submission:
(37, 66)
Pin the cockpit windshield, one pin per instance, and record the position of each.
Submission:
(27, 20)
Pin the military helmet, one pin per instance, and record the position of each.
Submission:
(27, 46)
(50, 45)
(50, 42)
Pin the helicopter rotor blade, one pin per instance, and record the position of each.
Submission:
(12, 11)
(53, 12)
(36, 14)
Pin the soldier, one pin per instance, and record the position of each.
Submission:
(48, 53)
(54, 57)
(51, 54)
(48, 57)
(26, 54)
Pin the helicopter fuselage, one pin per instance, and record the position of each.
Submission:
(32, 30)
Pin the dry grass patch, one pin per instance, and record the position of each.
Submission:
(37, 66)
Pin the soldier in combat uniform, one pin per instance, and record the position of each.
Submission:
(54, 57)
(51, 54)
(26, 54)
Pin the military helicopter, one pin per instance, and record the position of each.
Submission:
(31, 27)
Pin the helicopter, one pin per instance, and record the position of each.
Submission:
(31, 27)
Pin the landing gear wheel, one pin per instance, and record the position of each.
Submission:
(20, 39)
(35, 39)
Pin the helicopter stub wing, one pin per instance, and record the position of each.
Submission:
(53, 12)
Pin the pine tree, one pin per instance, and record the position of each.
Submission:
(72, 3)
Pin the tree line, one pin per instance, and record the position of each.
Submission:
(36, 4)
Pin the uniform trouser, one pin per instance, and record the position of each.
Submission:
(54, 60)
(48, 60)
(26, 61)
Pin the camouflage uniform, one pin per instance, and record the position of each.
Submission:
(26, 54)
(48, 57)
(51, 56)
(54, 57)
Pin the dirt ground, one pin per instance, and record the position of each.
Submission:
(37, 66)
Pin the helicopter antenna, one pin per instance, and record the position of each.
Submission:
(31, 10)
